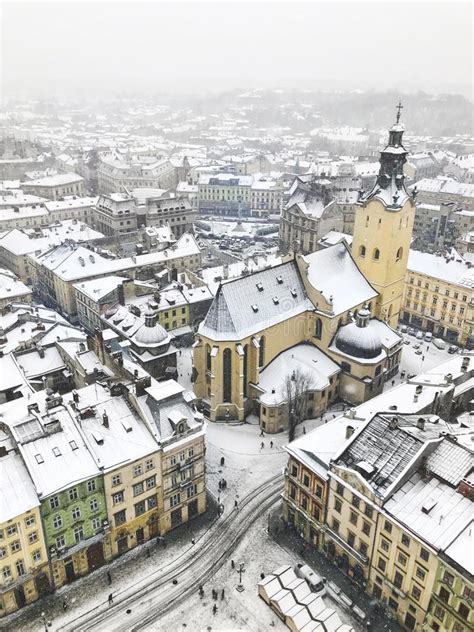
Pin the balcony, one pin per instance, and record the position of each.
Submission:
(362, 559)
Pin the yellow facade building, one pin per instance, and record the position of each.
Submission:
(25, 573)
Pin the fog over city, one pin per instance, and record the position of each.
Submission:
(105, 48)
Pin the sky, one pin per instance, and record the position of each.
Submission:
(102, 49)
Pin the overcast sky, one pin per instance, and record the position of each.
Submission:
(110, 48)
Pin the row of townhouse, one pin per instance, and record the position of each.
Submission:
(88, 476)
(386, 493)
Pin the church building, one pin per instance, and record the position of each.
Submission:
(325, 320)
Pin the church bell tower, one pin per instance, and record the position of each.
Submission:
(383, 228)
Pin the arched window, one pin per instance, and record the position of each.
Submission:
(261, 352)
(380, 223)
(318, 328)
(362, 251)
(227, 390)
(366, 221)
(376, 254)
(246, 351)
(399, 253)
(208, 357)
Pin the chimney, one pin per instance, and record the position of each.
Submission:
(465, 363)
(105, 419)
(40, 351)
(393, 425)
(466, 488)
(75, 396)
(420, 424)
(349, 431)
(418, 389)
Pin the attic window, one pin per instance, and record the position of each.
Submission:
(428, 505)
(39, 458)
(99, 439)
(127, 426)
(276, 300)
(56, 452)
(259, 287)
(293, 293)
(279, 280)
(73, 445)
(255, 308)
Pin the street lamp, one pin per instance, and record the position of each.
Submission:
(240, 587)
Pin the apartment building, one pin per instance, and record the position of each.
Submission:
(438, 297)
(115, 214)
(56, 187)
(225, 194)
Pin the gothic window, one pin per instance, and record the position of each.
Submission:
(362, 251)
(376, 254)
(208, 357)
(227, 375)
(246, 349)
(261, 352)
(399, 253)
(379, 224)
(366, 221)
(318, 329)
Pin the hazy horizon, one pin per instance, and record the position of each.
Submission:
(99, 49)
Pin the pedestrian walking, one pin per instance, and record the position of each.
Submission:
(222, 594)
(262, 575)
(235, 504)
(262, 445)
(214, 609)
(271, 444)
(111, 599)
(232, 564)
(304, 430)
(393, 382)
(109, 577)
(193, 541)
(64, 605)
(261, 432)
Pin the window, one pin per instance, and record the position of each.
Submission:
(151, 482)
(387, 527)
(95, 523)
(152, 502)
(76, 513)
(399, 254)
(20, 567)
(93, 504)
(366, 528)
(54, 502)
(384, 545)
(33, 537)
(363, 548)
(78, 533)
(402, 559)
(392, 604)
(353, 518)
(420, 573)
(381, 564)
(60, 542)
(362, 251)
(6, 572)
(376, 254)
(117, 498)
(116, 480)
(306, 480)
(318, 328)
(319, 491)
(138, 489)
(175, 500)
(463, 611)
(36, 556)
(424, 554)
(398, 580)
(149, 465)
(261, 351)
(416, 593)
(448, 578)
(57, 522)
(73, 495)
(30, 521)
(337, 505)
(119, 518)
(340, 489)
(350, 539)
(439, 612)
(335, 525)
(457, 627)
(227, 382)
(444, 594)
(294, 470)
(3, 552)
(15, 546)
(369, 511)
(356, 501)
(91, 486)
(137, 470)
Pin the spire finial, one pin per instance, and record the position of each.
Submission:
(399, 108)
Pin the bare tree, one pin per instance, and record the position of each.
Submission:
(297, 385)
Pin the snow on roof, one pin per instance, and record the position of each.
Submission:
(59, 179)
(10, 375)
(333, 272)
(463, 542)
(437, 267)
(99, 288)
(305, 357)
(253, 303)
(70, 202)
(11, 287)
(23, 242)
(442, 185)
(334, 237)
(17, 492)
(34, 365)
(450, 512)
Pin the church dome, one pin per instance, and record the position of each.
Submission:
(150, 334)
(358, 339)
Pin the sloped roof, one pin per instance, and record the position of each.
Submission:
(253, 303)
(450, 462)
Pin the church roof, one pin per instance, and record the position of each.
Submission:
(253, 303)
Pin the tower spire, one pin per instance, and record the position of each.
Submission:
(399, 112)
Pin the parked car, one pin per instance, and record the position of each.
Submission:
(406, 342)
(428, 336)
(403, 329)
(439, 343)
(411, 331)
(315, 581)
(416, 346)
(418, 352)
(452, 349)
(419, 335)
